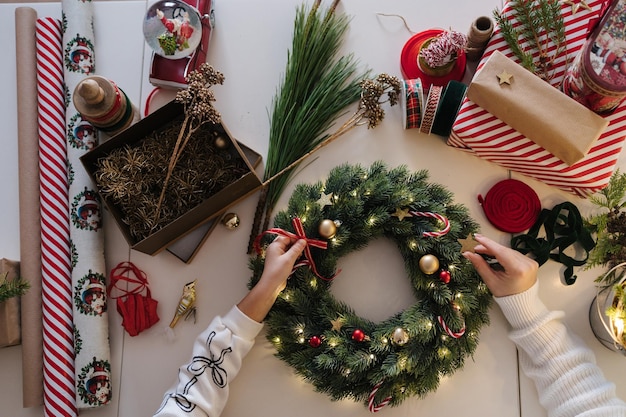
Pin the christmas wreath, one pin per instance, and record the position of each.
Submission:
(347, 356)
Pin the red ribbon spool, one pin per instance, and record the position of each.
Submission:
(511, 206)
(411, 70)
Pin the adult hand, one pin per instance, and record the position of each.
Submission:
(519, 271)
(280, 256)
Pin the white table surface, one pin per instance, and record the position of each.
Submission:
(249, 46)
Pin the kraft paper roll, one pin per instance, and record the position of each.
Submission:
(534, 108)
(30, 228)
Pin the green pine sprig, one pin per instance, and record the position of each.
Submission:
(609, 226)
(318, 85)
(13, 288)
(535, 32)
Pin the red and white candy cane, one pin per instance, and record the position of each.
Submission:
(439, 217)
(370, 400)
(448, 330)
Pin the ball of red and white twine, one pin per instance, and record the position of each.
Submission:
(442, 50)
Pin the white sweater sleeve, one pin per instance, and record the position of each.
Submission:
(202, 386)
(568, 381)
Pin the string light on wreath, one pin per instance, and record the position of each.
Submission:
(389, 351)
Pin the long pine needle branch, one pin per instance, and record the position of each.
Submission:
(317, 87)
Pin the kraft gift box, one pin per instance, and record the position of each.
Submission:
(534, 108)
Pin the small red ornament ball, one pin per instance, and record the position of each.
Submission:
(315, 341)
(444, 276)
(358, 335)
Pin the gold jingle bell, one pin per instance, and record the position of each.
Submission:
(429, 264)
(400, 337)
(327, 229)
(230, 220)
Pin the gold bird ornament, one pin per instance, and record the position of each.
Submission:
(186, 304)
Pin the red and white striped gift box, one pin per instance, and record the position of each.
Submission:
(477, 131)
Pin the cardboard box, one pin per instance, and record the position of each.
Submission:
(210, 208)
(10, 328)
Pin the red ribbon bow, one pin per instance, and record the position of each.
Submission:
(307, 258)
(134, 302)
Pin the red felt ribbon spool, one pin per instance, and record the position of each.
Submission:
(511, 206)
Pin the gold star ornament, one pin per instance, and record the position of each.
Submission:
(401, 213)
(325, 200)
(577, 6)
(468, 244)
(337, 324)
(504, 77)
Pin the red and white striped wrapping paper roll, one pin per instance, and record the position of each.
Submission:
(58, 340)
(475, 130)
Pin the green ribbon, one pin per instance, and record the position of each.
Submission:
(563, 227)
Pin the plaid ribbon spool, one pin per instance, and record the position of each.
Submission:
(413, 98)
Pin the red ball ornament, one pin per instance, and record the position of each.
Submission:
(315, 341)
(358, 335)
(444, 276)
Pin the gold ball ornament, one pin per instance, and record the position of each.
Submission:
(327, 229)
(429, 264)
(221, 142)
(400, 337)
(231, 221)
